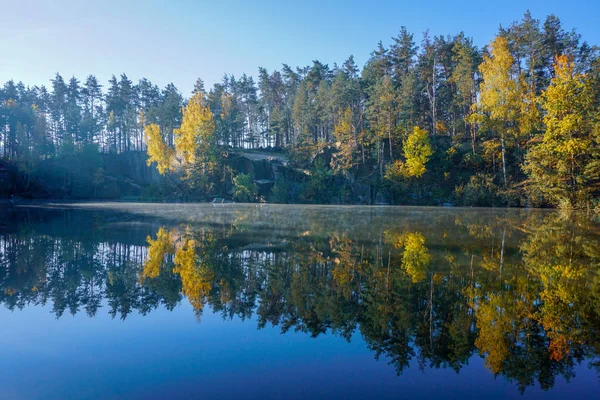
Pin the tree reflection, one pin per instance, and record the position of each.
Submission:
(521, 291)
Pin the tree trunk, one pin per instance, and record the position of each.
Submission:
(390, 140)
(502, 252)
(503, 160)
(381, 160)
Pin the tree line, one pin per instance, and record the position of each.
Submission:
(513, 123)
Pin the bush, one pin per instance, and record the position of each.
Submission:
(480, 191)
(281, 192)
(317, 187)
(244, 188)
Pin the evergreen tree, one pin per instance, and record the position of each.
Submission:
(464, 80)
(73, 112)
(92, 109)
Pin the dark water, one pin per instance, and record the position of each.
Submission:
(102, 301)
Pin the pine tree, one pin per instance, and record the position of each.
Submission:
(58, 107)
(92, 109)
(346, 144)
(465, 58)
(73, 111)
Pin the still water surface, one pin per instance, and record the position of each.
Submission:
(165, 301)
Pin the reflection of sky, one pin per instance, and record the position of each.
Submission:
(169, 355)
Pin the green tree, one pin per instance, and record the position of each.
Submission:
(92, 109)
(244, 188)
(565, 164)
(382, 111)
(464, 79)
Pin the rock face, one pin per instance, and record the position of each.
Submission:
(126, 174)
(105, 176)
(381, 199)
(131, 165)
(12, 183)
(7, 181)
(265, 167)
(361, 193)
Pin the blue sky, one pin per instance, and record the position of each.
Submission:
(180, 40)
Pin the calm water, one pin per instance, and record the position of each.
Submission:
(140, 301)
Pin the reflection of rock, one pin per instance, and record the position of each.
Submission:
(361, 193)
(381, 199)
(264, 186)
(267, 247)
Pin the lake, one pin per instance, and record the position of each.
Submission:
(178, 301)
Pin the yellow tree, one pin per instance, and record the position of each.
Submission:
(499, 100)
(158, 151)
(345, 136)
(196, 135)
(565, 164)
(417, 151)
(530, 119)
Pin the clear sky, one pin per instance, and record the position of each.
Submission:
(180, 40)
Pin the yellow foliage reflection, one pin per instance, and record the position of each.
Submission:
(196, 278)
(514, 296)
(157, 250)
(416, 257)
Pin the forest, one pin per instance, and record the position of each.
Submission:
(435, 121)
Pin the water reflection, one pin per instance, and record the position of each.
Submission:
(521, 289)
